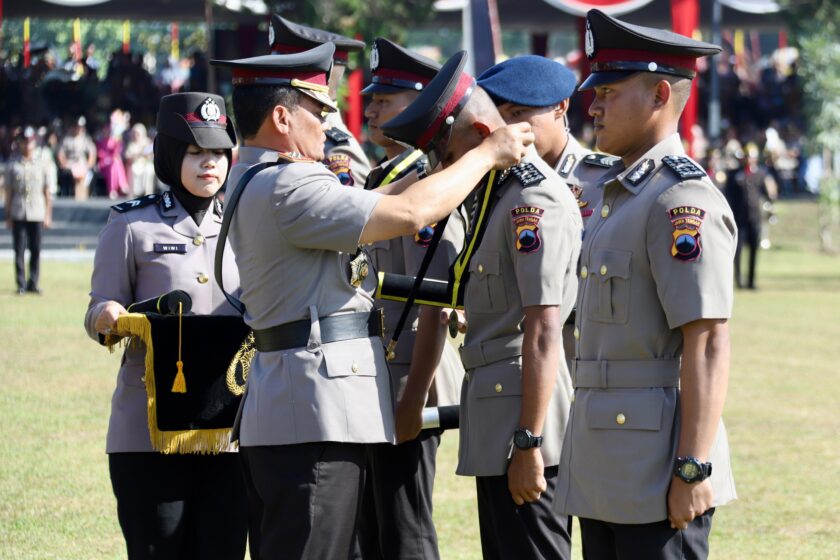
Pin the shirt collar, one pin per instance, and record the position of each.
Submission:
(634, 177)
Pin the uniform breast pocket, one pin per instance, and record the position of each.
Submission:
(610, 272)
(486, 289)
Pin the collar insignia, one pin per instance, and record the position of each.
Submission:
(640, 172)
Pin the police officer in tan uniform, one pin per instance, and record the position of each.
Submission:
(518, 273)
(318, 389)
(645, 458)
(169, 504)
(343, 153)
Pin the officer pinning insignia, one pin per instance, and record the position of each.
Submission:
(567, 165)
(601, 160)
(640, 172)
(528, 174)
(526, 221)
(136, 203)
(684, 167)
(358, 269)
(424, 237)
(337, 135)
(339, 164)
(686, 221)
(167, 200)
(170, 248)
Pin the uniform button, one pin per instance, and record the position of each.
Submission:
(605, 210)
(354, 368)
(620, 419)
(603, 270)
(577, 333)
(202, 278)
(584, 272)
(198, 240)
(480, 268)
(498, 387)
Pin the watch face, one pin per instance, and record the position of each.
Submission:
(521, 440)
(690, 470)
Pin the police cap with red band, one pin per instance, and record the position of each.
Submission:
(196, 118)
(427, 123)
(396, 69)
(616, 50)
(306, 71)
(286, 37)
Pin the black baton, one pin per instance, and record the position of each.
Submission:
(166, 304)
(443, 417)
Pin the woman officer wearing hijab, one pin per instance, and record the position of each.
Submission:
(169, 506)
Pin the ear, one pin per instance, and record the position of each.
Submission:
(482, 129)
(281, 119)
(561, 109)
(662, 94)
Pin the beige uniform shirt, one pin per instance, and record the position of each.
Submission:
(151, 246)
(343, 154)
(658, 254)
(294, 232)
(526, 256)
(404, 255)
(27, 180)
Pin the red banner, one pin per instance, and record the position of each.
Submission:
(685, 17)
(611, 7)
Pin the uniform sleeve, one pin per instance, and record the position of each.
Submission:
(114, 270)
(691, 237)
(318, 212)
(541, 237)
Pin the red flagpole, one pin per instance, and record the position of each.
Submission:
(354, 113)
(685, 17)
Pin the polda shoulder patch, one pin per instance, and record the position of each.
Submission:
(141, 202)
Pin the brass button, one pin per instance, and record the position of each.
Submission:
(202, 278)
(198, 240)
(577, 333)
(620, 419)
(354, 368)
(605, 210)
(498, 387)
(603, 270)
(584, 272)
(480, 268)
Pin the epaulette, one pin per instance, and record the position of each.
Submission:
(684, 167)
(528, 174)
(337, 135)
(136, 203)
(293, 157)
(601, 160)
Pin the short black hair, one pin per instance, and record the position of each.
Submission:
(252, 104)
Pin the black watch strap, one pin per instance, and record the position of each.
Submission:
(524, 439)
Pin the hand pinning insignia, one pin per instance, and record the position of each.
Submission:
(686, 221)
(526, 221)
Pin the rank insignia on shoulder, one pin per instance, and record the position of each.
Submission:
(293, 157)
(136, 203)
(526, 221)
(686, 221)
(567, 165)
(339, 164)
(528, 174)
(337, 135)
(684, 167)
(640, 172)
(601, 160)
(424, 237)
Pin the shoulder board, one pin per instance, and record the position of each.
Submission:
(136, 203)
(601, 160)
(337, 135)
(293, 157)
(528, 174)
(684, 167)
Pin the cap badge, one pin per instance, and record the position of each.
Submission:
(418, 86)
(589, 43)
(374, 59)
(652, 66)
(270, 34)
(210, 111)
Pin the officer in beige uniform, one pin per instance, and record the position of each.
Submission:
(645, 458)
(344, 155)
(520, 255)
(318, 389)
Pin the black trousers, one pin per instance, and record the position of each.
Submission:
(650, 541)
(27, 234)
(307, 498)
(180, 507)
(396, 519)
(530, 531)
(749, 234)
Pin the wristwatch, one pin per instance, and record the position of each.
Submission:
(524, 439)
(690, 469)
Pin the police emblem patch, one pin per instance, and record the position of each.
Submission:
(684, 167)
(339, 164)
(567, 165)
(210, 111)
(601, 160)
(589, 41)
(424, 237)
(528, 174)
(270, 35)
(640, 172)
(374, 58)
(686, 221)
(526, 221)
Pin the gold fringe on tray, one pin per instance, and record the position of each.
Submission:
(203, 442)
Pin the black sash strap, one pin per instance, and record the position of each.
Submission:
(230, 208)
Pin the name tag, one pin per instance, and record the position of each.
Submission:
(171, 248)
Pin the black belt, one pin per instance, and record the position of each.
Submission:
(571, 319)
(334, 328)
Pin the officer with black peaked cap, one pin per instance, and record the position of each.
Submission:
(344, 155)
(318, 389)
(645, 459)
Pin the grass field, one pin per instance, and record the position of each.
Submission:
(782, 415)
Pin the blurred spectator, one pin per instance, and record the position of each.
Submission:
(76, 158)
(139, 162)
(109, 149)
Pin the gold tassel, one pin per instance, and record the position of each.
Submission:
(179, 385)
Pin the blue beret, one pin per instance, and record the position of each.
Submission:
(530, 80)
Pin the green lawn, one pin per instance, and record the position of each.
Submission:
(56, 501)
